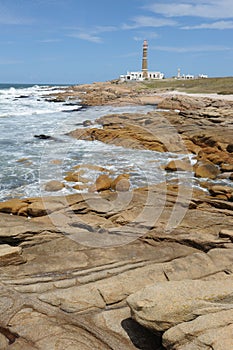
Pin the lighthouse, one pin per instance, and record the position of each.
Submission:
(143, 74)
(144, 60)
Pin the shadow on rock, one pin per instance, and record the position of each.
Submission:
(142, 338)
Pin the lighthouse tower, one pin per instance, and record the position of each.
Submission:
(144, 60)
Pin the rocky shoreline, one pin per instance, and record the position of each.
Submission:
(121, 268)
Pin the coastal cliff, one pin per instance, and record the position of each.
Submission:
(119, 267)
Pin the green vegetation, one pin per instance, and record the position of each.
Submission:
(209, 85)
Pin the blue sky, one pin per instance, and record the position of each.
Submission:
(82, 41)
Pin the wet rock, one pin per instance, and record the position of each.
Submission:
(178, 165)
(206, 169)
(230, 148)
(103, 182)
(87, 123)
(43, 137)
(53, 186)
(121, 183)
(80, 187)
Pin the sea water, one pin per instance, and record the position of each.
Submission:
(28, 162)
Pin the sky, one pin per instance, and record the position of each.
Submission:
(83, 41)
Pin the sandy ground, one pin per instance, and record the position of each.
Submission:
(214, 96)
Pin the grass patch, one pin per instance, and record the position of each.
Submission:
(210, 85)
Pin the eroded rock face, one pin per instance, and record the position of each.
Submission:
(193, 314)
(181, 102)
(165, 305)
(213, 330)
(62, 282)
(10, 255)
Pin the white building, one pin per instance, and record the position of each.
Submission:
(189, 76)
(138, 76)
(203, 76)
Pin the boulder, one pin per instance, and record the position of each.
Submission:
(206, 169)
(230, 148)
(87, 123)
(72, 177)
(44, 137)
(53, 186)
(13, 206)
(212, 331)
(220, 190)
(178, 165)
(167, 304)
(226, 167)
(181, 102)
(121, 183)
(80, 187)
(103, 182)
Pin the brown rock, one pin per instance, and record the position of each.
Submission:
(72, 177)
(10, 255)
(166, 304)
(37, 208)
(121, 183)
(227, 167)
(13, 206)
(178, 165)
(181, 102)
(103, 182)
(80, 187)
(212, 331)
(206, 169)
(53, 186)
(222, 192)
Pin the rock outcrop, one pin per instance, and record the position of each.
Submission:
(73, 269)
(76, 268)
(193, 314)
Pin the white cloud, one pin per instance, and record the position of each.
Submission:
(148, 35)
(49, 41)
(87, 36)
(104, 29)
(215, 25)
(90, 34)
(195, 8)
(205, 48)
(148, 21)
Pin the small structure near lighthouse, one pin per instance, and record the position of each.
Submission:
(144, 74)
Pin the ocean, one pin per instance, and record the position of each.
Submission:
(28, 162)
